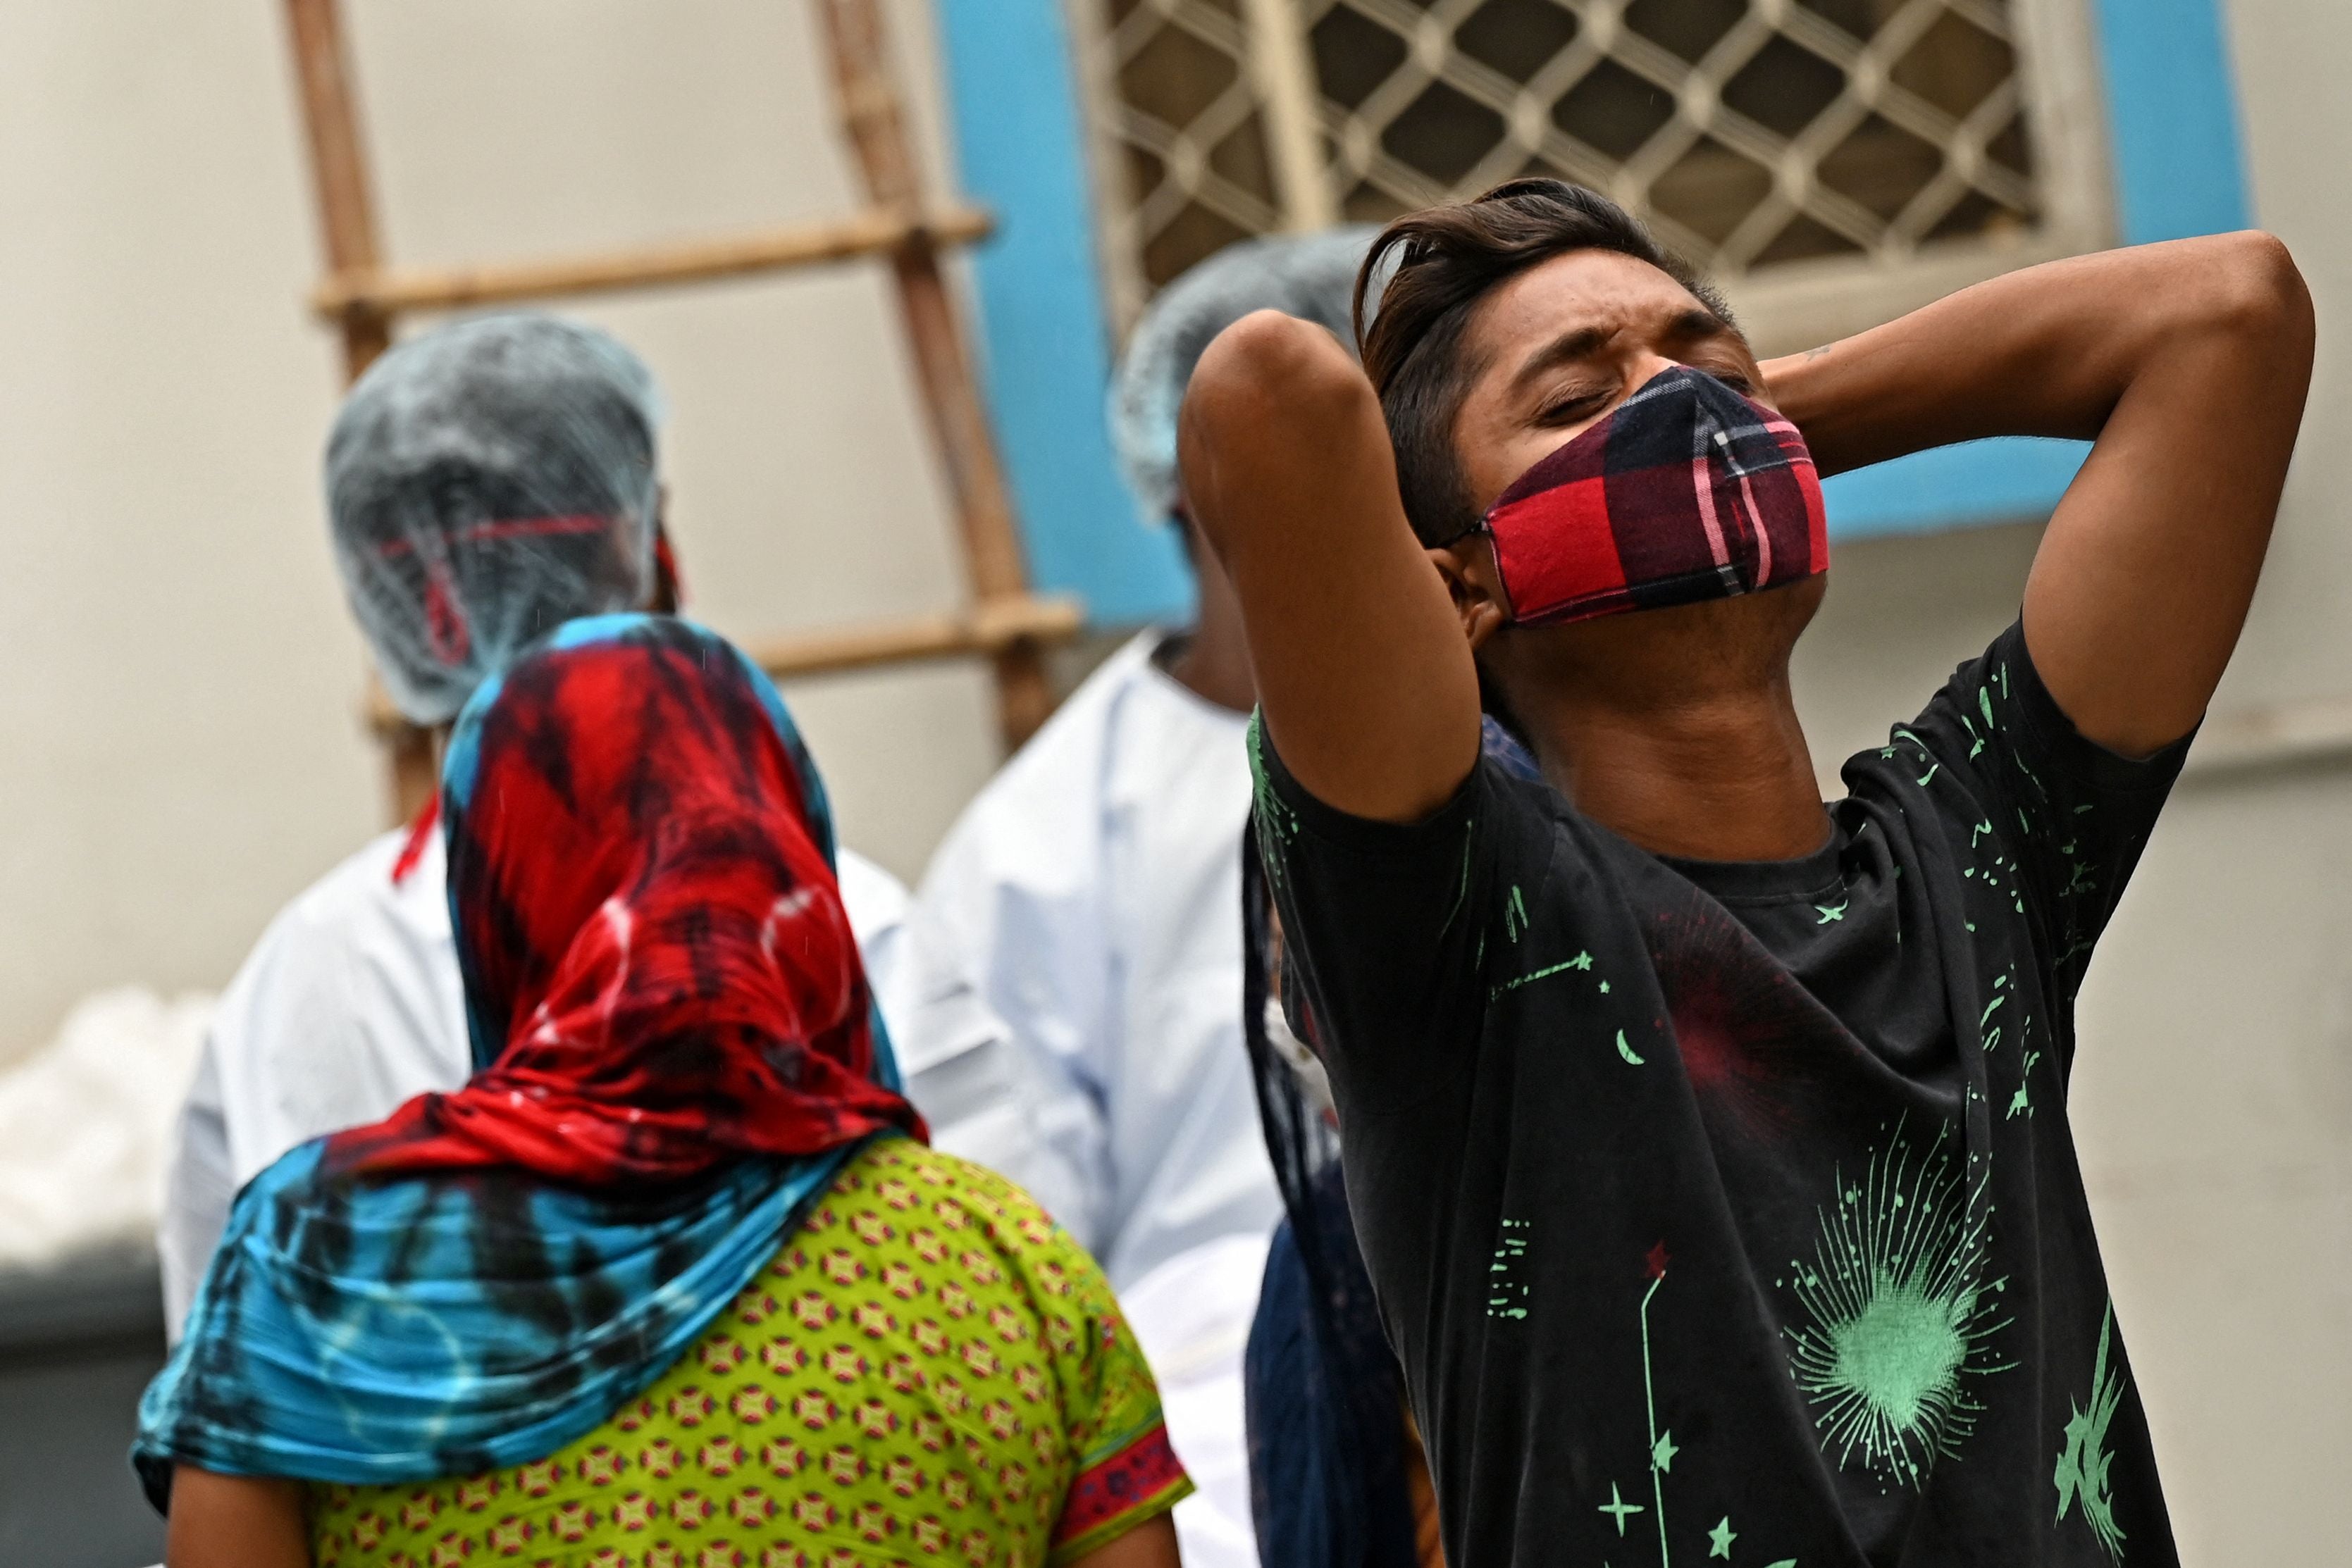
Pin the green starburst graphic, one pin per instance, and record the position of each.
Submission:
(1896, 1317)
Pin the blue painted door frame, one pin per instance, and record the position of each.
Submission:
(1044, 332)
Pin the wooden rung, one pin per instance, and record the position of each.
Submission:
(385, 291)
(985, 629)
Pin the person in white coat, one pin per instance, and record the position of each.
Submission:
(1090, 895)
(485, 482)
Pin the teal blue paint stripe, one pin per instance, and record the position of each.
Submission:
(1953, 487)
(2173, 145)
(2172, 113)
(1013, 105)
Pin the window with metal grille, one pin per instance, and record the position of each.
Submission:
(1830, 162)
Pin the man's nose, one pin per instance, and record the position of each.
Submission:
(1644, 366)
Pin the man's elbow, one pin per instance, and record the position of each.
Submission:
(1270, 391)
(1270, 364)
(2259, 294)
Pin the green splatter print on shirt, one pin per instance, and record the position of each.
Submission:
(2082, 1463)
(1894, 1315)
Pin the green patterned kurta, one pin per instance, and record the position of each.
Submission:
(930, 1371)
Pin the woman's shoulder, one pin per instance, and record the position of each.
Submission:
(899, 1174)
(957, 1205)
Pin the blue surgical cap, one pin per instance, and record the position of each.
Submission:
(1312, 276)
(487, 482)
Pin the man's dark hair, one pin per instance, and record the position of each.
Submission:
(1447, 259)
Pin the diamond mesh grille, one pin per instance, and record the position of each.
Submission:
(1750, 133)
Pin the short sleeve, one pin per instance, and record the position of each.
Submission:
(1126, 1472)
(1383, 927)
(2071, 816)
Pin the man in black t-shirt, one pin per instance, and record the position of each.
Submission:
(1708, 1145)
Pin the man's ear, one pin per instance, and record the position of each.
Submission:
(667, 593)
(1475, 586)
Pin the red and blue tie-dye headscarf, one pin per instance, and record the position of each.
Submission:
(675, 1049)
(659, 975)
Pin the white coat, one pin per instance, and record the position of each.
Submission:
(1091, 897)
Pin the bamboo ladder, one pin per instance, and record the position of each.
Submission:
(1002, 620)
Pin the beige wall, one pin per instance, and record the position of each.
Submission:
(179, 695)
(178, 702)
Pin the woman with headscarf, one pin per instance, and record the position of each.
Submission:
(672, 1279)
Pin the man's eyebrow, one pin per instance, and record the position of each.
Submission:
(1566, 348)
(1700, 322)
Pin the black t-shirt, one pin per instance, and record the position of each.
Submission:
(1728, 1211)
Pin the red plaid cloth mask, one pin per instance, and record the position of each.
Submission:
(1687, 491)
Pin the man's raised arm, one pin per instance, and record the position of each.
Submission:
(1363, 671)
(2186, 363)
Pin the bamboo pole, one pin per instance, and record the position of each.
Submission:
(338, 165)
(875, 125)
(385, 292)
(347, 229)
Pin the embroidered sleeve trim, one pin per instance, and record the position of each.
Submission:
(1111, 1497)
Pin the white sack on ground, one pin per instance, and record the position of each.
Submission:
(86, 1125)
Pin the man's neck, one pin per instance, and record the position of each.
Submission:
(1215, 663)
(1729, 778)
(1212, 669)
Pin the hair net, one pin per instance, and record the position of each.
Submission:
(1308, 276)
(485, 482)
